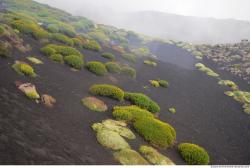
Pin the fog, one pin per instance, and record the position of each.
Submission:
(237, 9)
(155, 17)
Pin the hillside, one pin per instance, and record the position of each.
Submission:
(74, 92)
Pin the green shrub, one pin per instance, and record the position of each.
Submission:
(65, 50)
(62, 38)
(4, 51)
(74, 61)
(149, 62)
(131, 72)
(57, 58)
(99, 35)
(24, 69)
(1, 30)
(193, 154)
(29, 27)
(97, 68)
(107, 90)
(130, 113)
(154, 83)
(53, 28)
(77, 42)
(108, 56)
(129, 57)
(92, 45)
(113, 67)
(155, 131)
(163, 83)
(56, 26)
(48, 51)
(142, 101)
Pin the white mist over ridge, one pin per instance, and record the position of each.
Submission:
(152, 17)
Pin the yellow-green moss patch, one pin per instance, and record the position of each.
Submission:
(154, 157)
(34, 60)
(130, 157)
(94, 104)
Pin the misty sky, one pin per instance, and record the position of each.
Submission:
(237, 9)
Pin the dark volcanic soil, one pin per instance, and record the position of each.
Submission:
(33, 134)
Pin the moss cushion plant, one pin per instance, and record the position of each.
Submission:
(193, 154)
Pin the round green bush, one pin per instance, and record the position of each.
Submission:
(57, 58)
(74, 61)
(193, 154)
(142, 101)
(92, 45)
(113, 67)
(108, 56)
(48, 51)
(130, 113)
(155, 131)
(62, 38)
(107, 90)
(129, 71)
(97, 68)
(65, 50)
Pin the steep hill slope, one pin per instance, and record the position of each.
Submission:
(31, 133)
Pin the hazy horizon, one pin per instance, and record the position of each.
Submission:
(219, 9)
